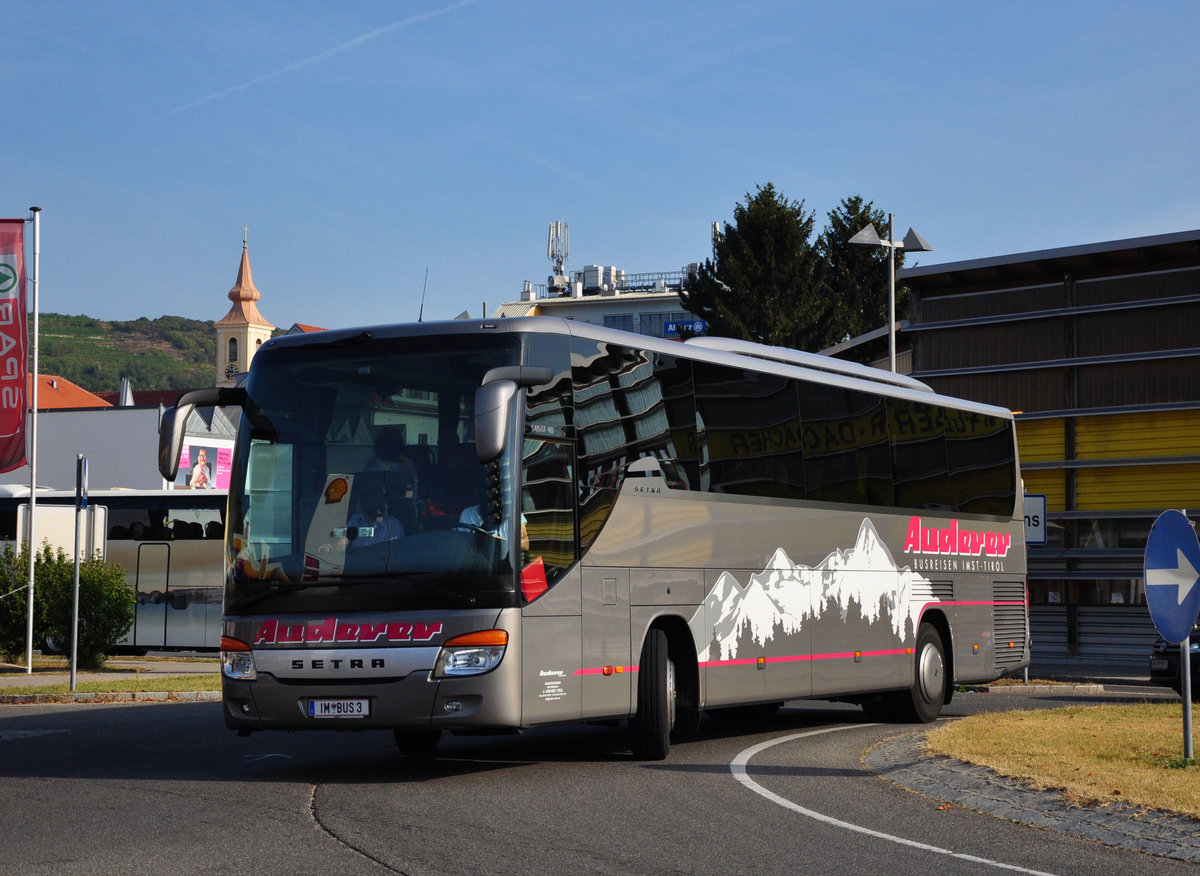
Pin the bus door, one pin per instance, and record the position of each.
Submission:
(192, 595)
(552, 624)
(152, 571)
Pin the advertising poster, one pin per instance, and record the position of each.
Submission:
(204, 467)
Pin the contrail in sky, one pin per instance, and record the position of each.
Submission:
(320, 56)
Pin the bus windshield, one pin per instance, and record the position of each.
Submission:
(356, 484)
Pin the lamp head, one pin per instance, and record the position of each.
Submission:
(914, 242)
(867, 237)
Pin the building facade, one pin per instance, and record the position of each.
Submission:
(646, 304)
(1095, 347)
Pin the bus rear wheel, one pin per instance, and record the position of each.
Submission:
(650, 728)
(923, 702)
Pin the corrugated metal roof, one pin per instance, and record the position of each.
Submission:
(1157, 252)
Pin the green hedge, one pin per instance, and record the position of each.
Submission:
(106, 603)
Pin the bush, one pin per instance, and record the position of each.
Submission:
(106, 603)
(14, 603)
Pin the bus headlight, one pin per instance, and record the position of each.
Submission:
(472, 654)
(237, 660)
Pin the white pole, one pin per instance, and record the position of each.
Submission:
(891, 296)
(80, 511)
(32, 429)
(1185, 685)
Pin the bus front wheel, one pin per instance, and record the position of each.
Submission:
(924, 700)
(650, 728)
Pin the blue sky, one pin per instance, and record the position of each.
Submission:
(366, 143)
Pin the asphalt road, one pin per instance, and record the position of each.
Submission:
(164, 788)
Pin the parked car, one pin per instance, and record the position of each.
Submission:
(1164, 665)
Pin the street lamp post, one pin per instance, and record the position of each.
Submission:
(912, 242)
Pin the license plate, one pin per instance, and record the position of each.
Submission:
(338, 708)
(1157, 663)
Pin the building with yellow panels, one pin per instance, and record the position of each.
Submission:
(1097, 348)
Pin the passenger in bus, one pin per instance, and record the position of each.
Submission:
(389, 455)
(401, 501)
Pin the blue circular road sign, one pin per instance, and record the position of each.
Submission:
(1173, 575)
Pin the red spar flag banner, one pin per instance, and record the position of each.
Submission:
(14, 344)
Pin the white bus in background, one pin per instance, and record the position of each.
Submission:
(170, 544)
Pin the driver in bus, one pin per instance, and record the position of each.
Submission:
(473, 515)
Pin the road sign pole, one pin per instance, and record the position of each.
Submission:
(1172, 575)
(1185, 679)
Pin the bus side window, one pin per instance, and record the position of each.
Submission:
(548, 506)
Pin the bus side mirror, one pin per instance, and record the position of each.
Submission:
(172, 429)
(493, 408)
(494, 402)
(170, 439)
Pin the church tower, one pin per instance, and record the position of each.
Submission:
(243, 330)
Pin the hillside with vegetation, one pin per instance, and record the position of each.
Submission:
(170, 352)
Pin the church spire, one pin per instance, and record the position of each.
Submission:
(243, 330)
(243, 295)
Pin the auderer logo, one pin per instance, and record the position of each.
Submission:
(955, 540)
(273, 632)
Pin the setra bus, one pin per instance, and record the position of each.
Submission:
(487, 526)
(170, 544)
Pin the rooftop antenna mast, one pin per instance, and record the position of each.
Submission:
(424, 286)
(558, 244)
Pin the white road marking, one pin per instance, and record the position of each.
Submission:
(738, 768)
(12, 735)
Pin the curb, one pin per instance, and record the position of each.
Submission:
(1037, 689)
(137, 696)
(901, 761)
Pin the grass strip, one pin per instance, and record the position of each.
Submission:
(1093, 754)
(169, 684)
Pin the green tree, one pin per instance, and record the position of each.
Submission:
(14, 603)
(763, 282)
(856, 276)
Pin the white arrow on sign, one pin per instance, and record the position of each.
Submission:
(1182, 576)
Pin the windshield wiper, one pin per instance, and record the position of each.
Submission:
(274, 590)
(412, 578)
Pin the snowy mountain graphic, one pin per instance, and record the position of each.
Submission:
(784, 596)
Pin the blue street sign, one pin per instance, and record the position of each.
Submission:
(1172, 571)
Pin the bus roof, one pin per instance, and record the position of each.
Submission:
(761, 357)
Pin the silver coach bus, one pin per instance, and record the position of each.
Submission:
(486, 526)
